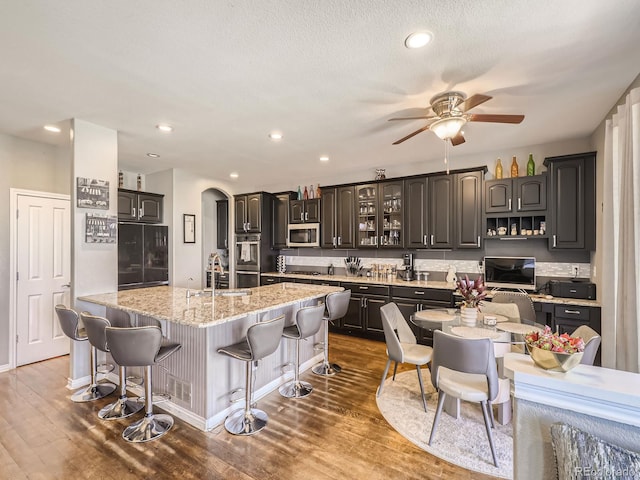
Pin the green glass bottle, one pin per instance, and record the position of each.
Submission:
(531, 166)
(299, 193)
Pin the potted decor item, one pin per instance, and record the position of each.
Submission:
(472, 293)
(554, 352)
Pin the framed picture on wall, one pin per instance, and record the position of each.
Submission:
(189, 224)
(101, 228)
(92, 193)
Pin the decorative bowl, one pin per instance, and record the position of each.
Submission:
(554, 361)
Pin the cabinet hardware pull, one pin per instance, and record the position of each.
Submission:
(141, 212)
(365, 302)
(364, 288)
(417, 307)
(509, 204)
(478, 241)
(573, 290)
(133, 212)
(519, 203)
(339, 240)
(554, 241)
(573, 312)
(418, 293)
(306, 215)
(432, 239)
(302, 216)
(424, 240)
(334, 242)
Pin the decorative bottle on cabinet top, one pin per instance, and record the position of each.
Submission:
(305, 195)
(318, 191)
(139, 182)
(299, 193)
(514, 167)
(499, 169)
(312, 191)
(120, 179)
(531, 166)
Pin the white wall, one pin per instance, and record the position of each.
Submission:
(32, 166)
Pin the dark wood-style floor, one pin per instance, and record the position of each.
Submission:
(335, 433)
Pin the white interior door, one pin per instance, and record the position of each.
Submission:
(43, 275)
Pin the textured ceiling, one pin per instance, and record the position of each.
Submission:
(328, 74)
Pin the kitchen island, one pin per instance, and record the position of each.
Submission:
(202, 383)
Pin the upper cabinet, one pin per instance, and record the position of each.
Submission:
(304, 211)
(337, 218)
(572, 201)
(379, 211)
(520, 194)
(251, 210)
(222, 226)
(441, 211)
(280, 219)
(468, 194)
(134, 206)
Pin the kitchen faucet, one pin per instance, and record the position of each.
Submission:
(215, 258)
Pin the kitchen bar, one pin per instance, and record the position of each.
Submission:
(201, 382)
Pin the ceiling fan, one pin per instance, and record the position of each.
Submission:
(450, 110)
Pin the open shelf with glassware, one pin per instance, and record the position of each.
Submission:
(521, 226)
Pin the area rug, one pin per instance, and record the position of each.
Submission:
(462, 442)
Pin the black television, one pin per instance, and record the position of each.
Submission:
(510, 272)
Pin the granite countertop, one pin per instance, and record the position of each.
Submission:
(171, 303)
(396, 282)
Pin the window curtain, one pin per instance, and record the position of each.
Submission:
(621, 238)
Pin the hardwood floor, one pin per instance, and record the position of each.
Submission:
(335, 433)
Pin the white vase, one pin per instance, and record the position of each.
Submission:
(469, 316)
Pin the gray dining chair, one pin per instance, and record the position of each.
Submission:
(591, 343)
(522, 300)
(465, 368)
(402, 346)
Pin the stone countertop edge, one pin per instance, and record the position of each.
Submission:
(427, 284)
(145, 301)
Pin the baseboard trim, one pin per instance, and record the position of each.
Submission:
(5, 368)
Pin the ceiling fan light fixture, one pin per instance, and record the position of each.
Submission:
(448, 127)
(418, 39)
(275, 136)
(163, 127)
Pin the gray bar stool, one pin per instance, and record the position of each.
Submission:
(308, 323)
(262, 340)
(69, 322)
(142, 347)
(96, 332)
(337, 305)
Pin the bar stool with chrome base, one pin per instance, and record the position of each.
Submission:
(308, 323)
(124, 406)
(337, 305)
(69, 322)
(262, 340)
(142, 347)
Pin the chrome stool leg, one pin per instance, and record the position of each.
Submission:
(326, 368)
(95, 390)
(123, 407)
(151, 426)
(246, 421)
(295, 388)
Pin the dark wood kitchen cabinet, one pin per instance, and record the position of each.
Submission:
(144, 207)
(416, 213)
(280, 219)
(468, 206)
(363, 315)
(379, 215)
(572, 201)
(415, 299)
(222, 226)
(304, 211)
(441, 211)
(337, 217)
(521, 194)
(250, 211)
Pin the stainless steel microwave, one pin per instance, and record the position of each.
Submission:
(303, 235)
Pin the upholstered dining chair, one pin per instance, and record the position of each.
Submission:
(509, 310)
(591, 343)
(402, 346)
(465, 368)
(522, 300)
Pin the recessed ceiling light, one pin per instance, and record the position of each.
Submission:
(418, 39)
(275, 136)
(52, 128)
(164, 128)
(324, 158)
(153, 155)
(234, 175)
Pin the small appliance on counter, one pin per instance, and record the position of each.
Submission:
(408, 272)
(573, 289)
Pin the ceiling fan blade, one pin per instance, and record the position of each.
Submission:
(495, 118)
(458, 139)
(412, 118)
(473, 101)
(426, 127)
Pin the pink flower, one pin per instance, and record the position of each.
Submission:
(472, 292)
(561, 343)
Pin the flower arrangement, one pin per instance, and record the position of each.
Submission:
(472, 292)
(554, 342)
